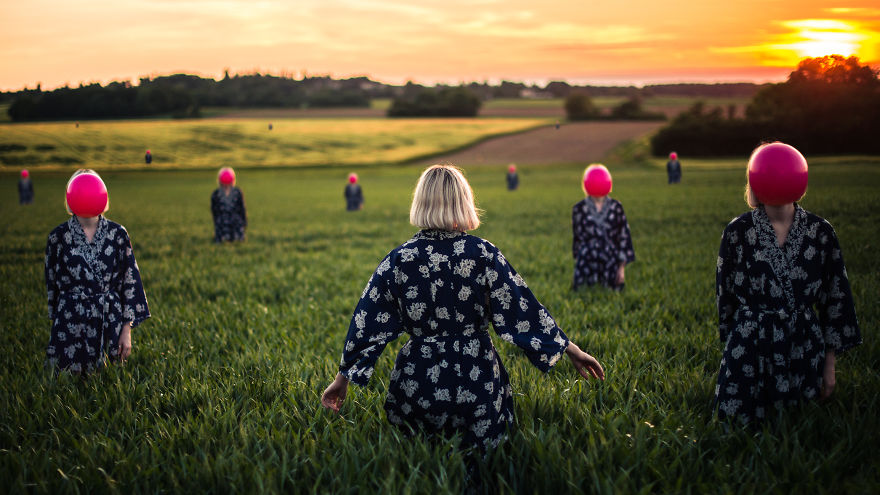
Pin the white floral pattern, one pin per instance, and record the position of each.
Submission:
(93, 289)
(601, 241)
(449, 373)
(774, 342)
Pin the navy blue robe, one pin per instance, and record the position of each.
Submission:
(443, 289)
(673, 171)
(230, 217)
(512, 181)
(354, 197)
(774, 340)
(25, 191)
(94, 288)
(601, 241)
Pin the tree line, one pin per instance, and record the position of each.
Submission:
(184, 96)
(828, 105)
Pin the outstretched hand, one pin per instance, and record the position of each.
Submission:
(585, 364)
(334, 395)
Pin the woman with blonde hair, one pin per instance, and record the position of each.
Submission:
(785, 308)
(93, 282)
(444, 287)
(227, 208)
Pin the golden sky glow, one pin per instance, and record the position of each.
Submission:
(599, 41)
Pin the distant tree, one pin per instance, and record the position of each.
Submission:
(433, 102)
(579, 106)
(631, 109)
(828, 105)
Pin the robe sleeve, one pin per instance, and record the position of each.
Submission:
(519, 318)
(837, 312)
(623, 238)
(215, 205)
(578, 231)
(133, 297)
(52, 288)
(376, 322)
(725, 298)
(241, 209)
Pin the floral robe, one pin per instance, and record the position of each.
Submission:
(774, 342)
(94, 288)
(354, 197)
(230, 218)
(673, 171)
(443, 289)
(512, 181)
(25, 191)
(601, 242)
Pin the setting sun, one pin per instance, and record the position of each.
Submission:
(824, 37)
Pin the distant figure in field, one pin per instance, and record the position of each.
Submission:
(444, 287)
(93, 282)
(512, 178)
(673, 169)
(785, 308)
(148, 157)
(270, 126)
(354, 197)
(601, 241)
(77, 125)
(557, 125)
(227, 207)
(25, 188)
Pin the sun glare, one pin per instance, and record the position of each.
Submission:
(820, 37)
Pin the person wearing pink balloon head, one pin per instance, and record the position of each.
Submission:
(512, 178)
(227, 208)
(25, 188)
(673, 169)
(601, 241)
(785, 307)
(148, 157)
(444, 287)
(354, 196)
(93, 282)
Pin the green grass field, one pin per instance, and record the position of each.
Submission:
(222, 391)
(240, 142)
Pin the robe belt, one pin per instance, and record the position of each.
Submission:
(767, 347)
(103, 301)
(481, 335)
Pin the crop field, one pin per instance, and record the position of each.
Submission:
(235, 142)
(222, 391)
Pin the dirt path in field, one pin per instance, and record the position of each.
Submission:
(576, 142)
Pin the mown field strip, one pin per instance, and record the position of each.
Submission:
(241, 142)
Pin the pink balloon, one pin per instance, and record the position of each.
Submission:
(352, 178)
(87, 195)
(226, 176)
(25, 173)
(673, 156)
(777, 174)
(511, 168)
(597, 180)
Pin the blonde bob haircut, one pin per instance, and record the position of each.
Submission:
(80, 172)
(444, 200)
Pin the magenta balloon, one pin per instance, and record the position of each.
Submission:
(777, 174)
(87, 195)
(673, 156)
(25, 173)
(597, 180)
(227, 176)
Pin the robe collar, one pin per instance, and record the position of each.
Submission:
(437, 234)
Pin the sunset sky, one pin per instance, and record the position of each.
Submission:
(598, 41)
